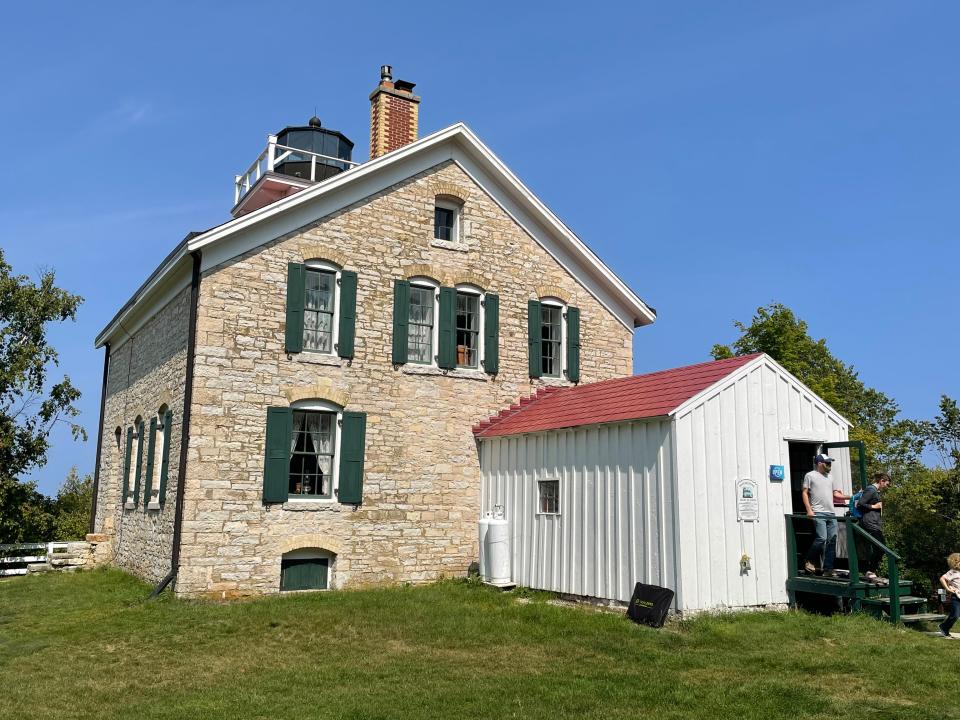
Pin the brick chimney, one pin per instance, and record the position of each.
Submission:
(394, 114)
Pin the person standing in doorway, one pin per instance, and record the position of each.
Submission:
(819, 494)
(871, 508)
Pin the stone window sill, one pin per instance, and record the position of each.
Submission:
(450, 245)
(464, 373)
(311, 358)
(552, 381)
(311, 505)
(129, 505)
(153, 505)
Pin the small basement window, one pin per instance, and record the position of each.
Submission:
(549, 497)
(304, 573)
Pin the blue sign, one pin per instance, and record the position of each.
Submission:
(776, 473)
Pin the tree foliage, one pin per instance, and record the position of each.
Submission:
(71, 509)
(775, 330)
(30, 407)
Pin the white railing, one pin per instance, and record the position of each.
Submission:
(275, 154)
(17, 559)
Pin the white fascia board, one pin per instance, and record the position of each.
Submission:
(743, 371)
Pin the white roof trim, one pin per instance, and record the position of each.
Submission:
(459, 133)
(744, 370)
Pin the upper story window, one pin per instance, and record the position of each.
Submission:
(319, 330)
(446, 220)
(468, 328)
(551, 339)
(421, 322)
(321, 309)
(553, 336)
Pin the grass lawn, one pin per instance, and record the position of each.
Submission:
(87, 645)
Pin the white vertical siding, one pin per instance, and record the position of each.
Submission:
(616, 521)
(737, 431)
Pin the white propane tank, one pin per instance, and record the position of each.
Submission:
(497, 553)
(484, 526)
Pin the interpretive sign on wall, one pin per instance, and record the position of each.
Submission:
(748, 504)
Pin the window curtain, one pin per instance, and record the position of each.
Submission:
(298, 419)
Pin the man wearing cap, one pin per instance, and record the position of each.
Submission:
(819, 493)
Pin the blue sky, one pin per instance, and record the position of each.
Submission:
(718, 156)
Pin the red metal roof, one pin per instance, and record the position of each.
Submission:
(630, 398)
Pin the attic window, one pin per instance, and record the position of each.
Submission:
(446, 220)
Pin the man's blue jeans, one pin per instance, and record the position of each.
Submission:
(825, 544)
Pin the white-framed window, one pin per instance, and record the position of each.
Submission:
(446, 221)
(553, 337)
(548, 502)
(153, 502)
(469, 326)
(136, 467)
(422, 328)
(320, 306)
(314, 450)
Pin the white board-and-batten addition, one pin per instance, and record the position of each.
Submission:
(654, 500)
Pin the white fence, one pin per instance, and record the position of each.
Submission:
(25, 558)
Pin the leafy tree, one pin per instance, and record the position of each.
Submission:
(72, 507)
(29, 407)
(775, 330)
(944, 432)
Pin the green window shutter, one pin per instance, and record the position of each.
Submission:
(151, 452)
(139, 471)
(401, 315)
(348, 313)
(573, 344)
(447, 338)
(491, 333)
(352, 444)
(533, 338)
(296, 288)
(165, 456)
(276, 466)
(126, 466)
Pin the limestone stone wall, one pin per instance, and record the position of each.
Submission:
(418, 520)
(147, 371)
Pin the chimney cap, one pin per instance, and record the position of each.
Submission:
(404, 85)
(386, 73)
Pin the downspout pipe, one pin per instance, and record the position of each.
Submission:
(185, 433)
(96, 467)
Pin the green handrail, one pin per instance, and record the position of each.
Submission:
(892, 569)
(852, 530)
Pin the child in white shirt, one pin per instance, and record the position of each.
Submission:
(951, 583)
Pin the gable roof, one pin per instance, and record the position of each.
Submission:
(636, 397)
(457, 143)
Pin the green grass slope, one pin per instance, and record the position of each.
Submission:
(88, 645)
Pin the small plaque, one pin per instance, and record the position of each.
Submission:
(776, 473)
(748, 504)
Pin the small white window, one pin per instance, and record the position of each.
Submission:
(549, 491)
(446, 221)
